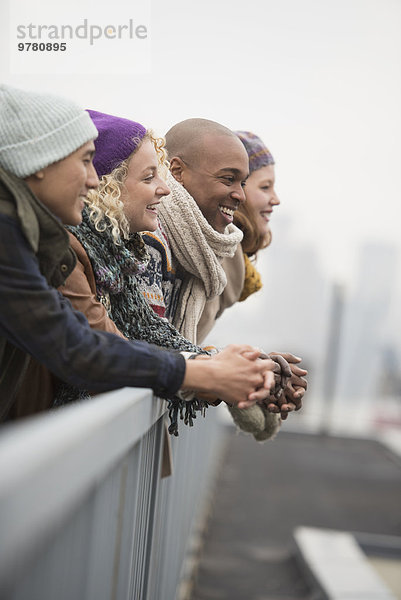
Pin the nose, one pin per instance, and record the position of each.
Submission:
(92, 180)
(238, 193)
(162, 188)
(275, 199)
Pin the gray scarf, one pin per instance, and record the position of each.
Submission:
(199, 250)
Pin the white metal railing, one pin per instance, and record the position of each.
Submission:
(84, 513)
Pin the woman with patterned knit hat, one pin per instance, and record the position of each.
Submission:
(253, 218)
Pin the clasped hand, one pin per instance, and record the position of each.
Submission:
(290, 384)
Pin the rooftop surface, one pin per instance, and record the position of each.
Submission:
(265, 491)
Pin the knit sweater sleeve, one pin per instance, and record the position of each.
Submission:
(157, 282)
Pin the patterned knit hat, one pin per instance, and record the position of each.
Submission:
(37, 130)
(259, 155)
(117, 140)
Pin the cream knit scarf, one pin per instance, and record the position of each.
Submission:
(199, 250)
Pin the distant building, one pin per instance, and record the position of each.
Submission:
(365, 332)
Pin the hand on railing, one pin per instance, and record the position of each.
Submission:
(236, 375)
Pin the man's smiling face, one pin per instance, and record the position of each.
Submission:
(217, 178)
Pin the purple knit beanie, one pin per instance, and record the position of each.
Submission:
(259, 155)
(117, 139)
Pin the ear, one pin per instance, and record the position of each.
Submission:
(177, 168)
(38, 175)
(34, 180)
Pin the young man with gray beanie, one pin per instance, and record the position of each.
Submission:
(46, 171)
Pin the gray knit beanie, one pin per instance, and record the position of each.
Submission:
(37, 130)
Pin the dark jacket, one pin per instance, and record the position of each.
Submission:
(35, 258)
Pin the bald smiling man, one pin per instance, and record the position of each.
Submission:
(206, 159)
(208, 170)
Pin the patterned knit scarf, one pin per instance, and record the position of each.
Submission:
(199, 249)
(114, 267)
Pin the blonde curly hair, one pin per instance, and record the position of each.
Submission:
(106, 209)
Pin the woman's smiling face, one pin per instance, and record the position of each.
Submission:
(143, 189)
(261, 196)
